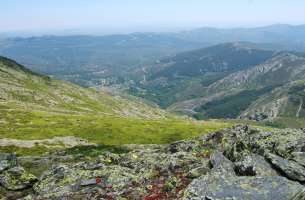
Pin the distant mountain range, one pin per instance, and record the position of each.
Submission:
(278, 33)
(86, 60)
(252, 73)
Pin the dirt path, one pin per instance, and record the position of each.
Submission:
(300, 108)
(55, 142)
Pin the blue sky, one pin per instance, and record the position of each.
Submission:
(142, 15)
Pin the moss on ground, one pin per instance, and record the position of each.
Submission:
(105, 130)
(102, 129)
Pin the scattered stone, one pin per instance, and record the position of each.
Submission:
(238, 163)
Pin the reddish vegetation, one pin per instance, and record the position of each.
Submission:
(98, 180)
(159, 191)
(164, 185)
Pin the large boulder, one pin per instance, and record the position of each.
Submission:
(223, 183)
(291, 169)
(214, 186)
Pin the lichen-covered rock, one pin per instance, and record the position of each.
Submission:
(223, 183)
(237, 163)
(291, 169)
(7, 161)
(221, 164)
(64, 180)
(218, 187)
(197, 172)
(258, 172)
(16, 178)
(254, 165)
(181, 146)
(299, 157)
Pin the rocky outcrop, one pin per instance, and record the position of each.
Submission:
(13, 177)
(238, 163)
(291, 169)
(263, 168)
(223, 183)
(17, 178)
(146, 172)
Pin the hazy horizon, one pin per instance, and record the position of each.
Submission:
(107, 17)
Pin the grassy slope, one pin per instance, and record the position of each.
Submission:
(24, 89)
(36, 107)
(101, 129)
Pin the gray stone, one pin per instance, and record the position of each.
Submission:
(16, 178)
(299, 157)
(7, 161)
(219, 187)
(254, 165)
(291, 169)
(221, 164)
(197, 172)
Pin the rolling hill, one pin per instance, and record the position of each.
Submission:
(220, 58)
(37, 107)
(31, 91)
(232, 80)
(187, 75)
(265, 91)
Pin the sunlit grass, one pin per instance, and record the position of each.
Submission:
(102, 129)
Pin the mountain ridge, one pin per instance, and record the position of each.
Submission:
(275, 74)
